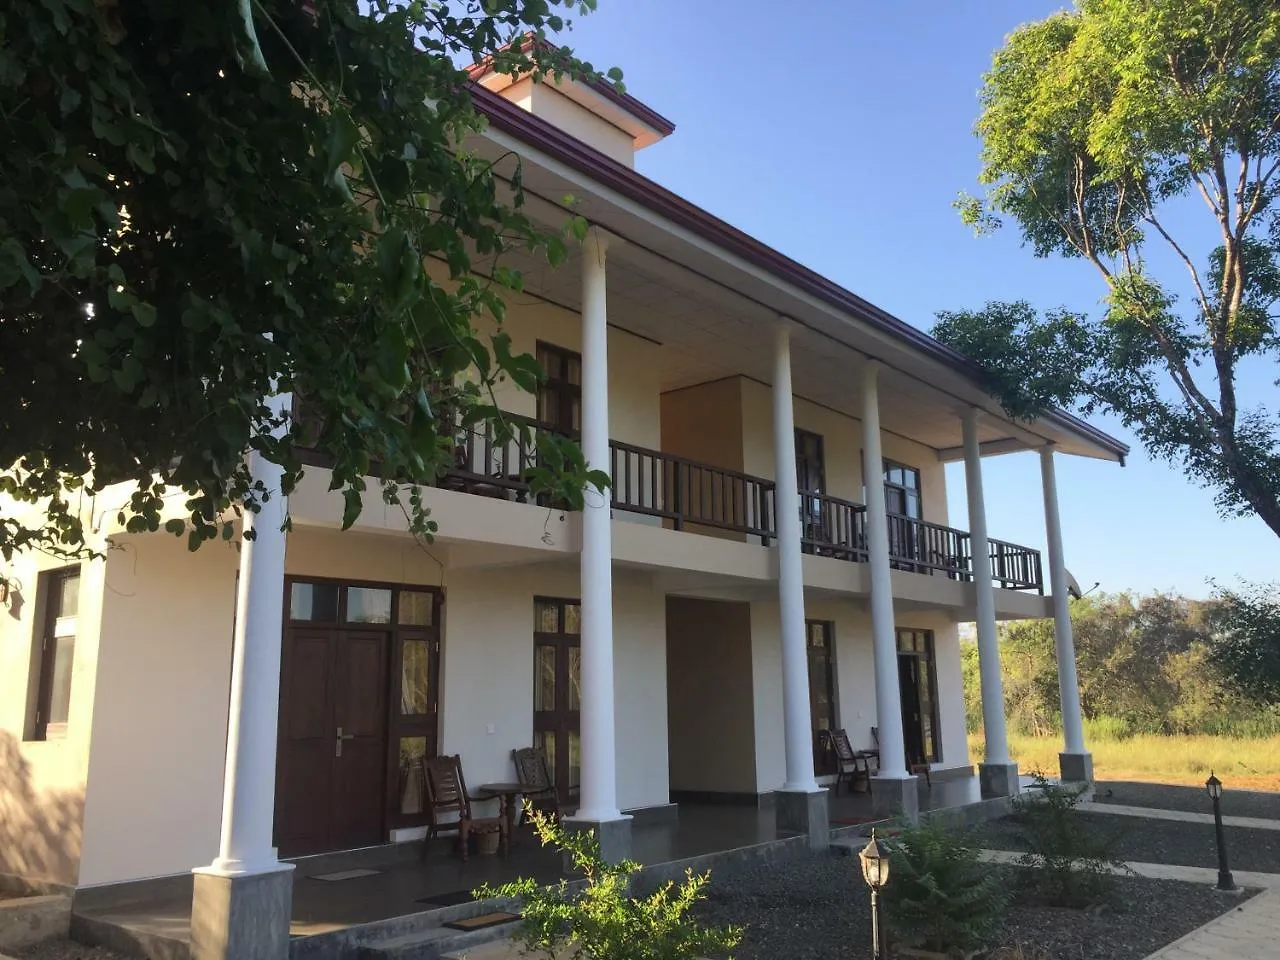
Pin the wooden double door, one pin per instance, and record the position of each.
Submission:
(333, 740)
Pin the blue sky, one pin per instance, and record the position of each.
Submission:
(840, 132)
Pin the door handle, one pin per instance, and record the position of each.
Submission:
(337, 744)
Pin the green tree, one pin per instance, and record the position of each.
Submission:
(1102, 128)
(202, 202)
(1246, 645)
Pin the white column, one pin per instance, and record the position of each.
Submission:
(993, 723)
(249, 785)
(893, 753)
(797, 731)
(599, 787)
(1068, 685)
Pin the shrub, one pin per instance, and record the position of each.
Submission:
(938, 896)
(1073, 862)
(602, 921)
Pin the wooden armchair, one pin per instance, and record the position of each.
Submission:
(851, 765)
(447, 793)
(533, 771)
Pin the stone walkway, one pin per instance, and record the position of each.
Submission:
(1249, 932)
(1165, 871)
(1151, 813)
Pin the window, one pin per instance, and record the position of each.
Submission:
(918, 682)
(822, 692)
(902, 490)
(560, 395)
(59, 593)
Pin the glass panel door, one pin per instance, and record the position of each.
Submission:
(822, 699)
(557, 690)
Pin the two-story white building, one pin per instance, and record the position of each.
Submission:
(773, 561)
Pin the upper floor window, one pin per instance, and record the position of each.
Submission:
(902, 490)
(560, 396)
(59, 597)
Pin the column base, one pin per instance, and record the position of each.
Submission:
(241, 917)
(895, 797)
(1076, 767)
(998, 779)
(803, 812)
(613, 835)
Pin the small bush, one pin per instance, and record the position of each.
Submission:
(603, 921)
(1073, 862)
(939, 897)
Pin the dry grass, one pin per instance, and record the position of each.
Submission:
(1250, 764)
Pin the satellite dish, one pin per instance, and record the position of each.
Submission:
(1073, 587)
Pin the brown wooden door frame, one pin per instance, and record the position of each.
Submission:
(823, 757)
(562, 720)
(382, 784)
(917, 670)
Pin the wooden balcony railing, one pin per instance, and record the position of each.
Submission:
(924, 547)
(684, 491)
(831, 527)
(1015, 567)
(491, 461)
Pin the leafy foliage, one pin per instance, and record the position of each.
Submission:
(202, 204)
(939, 896)
(1097, 124)
(602, 920)
(1073, 862)
(1247, 640)
(1146, 664)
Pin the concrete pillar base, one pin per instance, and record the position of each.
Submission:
(614, 836)
(241, 917)
(998, 779)
(1076, 767)
(893, 797)
(799, 811)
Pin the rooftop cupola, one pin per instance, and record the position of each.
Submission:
(616, 124)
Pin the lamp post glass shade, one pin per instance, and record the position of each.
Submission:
(1214, 786)
(875, 863)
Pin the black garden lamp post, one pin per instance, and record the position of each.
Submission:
(875, 870)
(1214, 786)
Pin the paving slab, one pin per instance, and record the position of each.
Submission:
(1163, 871)
(1249, 932)
(1183, 816)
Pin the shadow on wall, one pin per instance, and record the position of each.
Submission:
(39, 829)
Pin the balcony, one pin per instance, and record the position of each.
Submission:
(686, 494)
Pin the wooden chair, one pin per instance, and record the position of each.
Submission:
(447, 793)
(534, 772)
(915, 765)
(851, 765)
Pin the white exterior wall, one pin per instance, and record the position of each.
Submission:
(42, 782)
(487, 673)
(855, 679)
(154, 793)
(842, 447)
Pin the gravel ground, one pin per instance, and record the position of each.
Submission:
(1166, 796)
(1161, 841)
(66, 950)
(815, 907)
